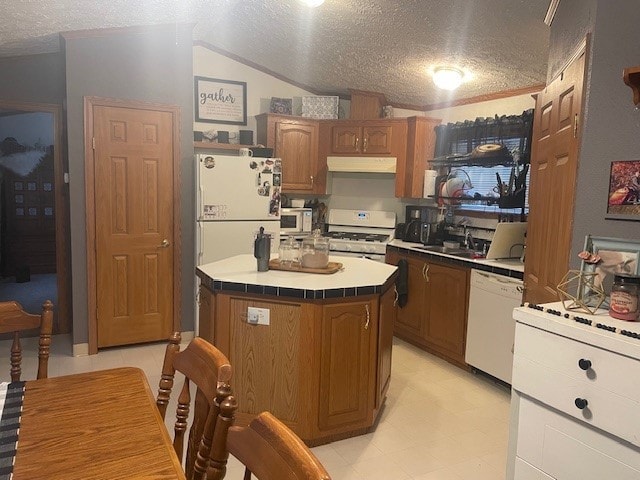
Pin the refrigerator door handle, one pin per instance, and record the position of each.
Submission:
(200, 243)
(200, 202)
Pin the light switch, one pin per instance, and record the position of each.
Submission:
(258, 316)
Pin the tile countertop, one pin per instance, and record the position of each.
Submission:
(358, 277)
(508, 267)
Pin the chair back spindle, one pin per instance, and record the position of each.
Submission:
(13, 319)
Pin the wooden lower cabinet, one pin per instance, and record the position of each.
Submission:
(347, 372)
(435, 316)
(322, 367)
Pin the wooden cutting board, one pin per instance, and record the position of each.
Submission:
(332, 267)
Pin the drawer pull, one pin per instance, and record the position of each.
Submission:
(584, 364)
(581, 403)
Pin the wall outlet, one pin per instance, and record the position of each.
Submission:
(258, 316)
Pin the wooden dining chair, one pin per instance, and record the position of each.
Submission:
(13, 319)
(204, 366)
(269, 450)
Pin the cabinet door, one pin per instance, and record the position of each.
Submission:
(347, 369)
(409, 318)
(345, 139)
(297, 145)
(421, 141)
(385, 342)
(446, 309)
(376, 139)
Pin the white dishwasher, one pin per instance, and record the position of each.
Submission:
(490, 323)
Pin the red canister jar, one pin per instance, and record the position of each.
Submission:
(625, 301)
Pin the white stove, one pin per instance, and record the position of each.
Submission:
(360, 233)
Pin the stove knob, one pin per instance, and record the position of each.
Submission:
(581, 403)
(584, 364)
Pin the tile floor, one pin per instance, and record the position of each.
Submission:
(439, 422)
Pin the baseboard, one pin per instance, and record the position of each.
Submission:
(187, 336)
(80, 349)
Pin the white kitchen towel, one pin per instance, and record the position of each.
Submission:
(429, 188)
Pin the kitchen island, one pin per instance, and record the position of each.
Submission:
(313, 349)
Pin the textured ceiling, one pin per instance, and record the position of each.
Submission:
(378, 45)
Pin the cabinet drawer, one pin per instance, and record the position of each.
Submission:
(605, 410)
(524, 471)
(565, 449)
(608, 371)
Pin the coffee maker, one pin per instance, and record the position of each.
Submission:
(421, 224)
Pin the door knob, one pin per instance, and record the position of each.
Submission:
(165, 243)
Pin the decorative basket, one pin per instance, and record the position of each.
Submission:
(320, 107)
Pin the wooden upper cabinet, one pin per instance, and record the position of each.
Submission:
(421, 143)
(362, 139)
(366, 105)
(295, 141)
(345, 139)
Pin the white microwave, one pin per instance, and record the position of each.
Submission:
(295, 220)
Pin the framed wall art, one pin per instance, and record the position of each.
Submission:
(220, 101)
(614, 255)
(624, 191)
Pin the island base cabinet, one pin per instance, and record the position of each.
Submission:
(316, 365)
(346, 371)
(269, 361)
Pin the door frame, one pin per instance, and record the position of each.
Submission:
(89, 178)
(61, 207)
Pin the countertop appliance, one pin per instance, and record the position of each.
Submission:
(235, 197)
(508, 240)
(296, 220)
(490, 323)
(360, 233)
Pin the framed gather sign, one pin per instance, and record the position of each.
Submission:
(220, 101)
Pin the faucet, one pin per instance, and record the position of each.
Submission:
(469, 241)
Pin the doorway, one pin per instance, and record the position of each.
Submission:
(34, 247)
(132, 184)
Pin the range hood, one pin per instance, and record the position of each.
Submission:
(362, 164)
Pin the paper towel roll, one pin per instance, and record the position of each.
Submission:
(429, 183)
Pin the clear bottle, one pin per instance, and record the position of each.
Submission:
(624, 303)
(315, 250)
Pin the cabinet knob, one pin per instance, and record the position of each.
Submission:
(581, 403)
(396, 296)
(584, 364)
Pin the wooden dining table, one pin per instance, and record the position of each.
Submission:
(95, 425)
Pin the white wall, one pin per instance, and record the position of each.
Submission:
(260, 87)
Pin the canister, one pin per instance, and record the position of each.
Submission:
(624, 301)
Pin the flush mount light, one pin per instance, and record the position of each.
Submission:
(312, 3)
(448, 78)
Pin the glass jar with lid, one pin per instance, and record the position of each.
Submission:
(625, 302)
(289, 253)
(315, 251)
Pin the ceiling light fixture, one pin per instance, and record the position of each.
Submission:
(448, 78)
(312, 3)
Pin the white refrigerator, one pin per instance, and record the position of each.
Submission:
(236, 196)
